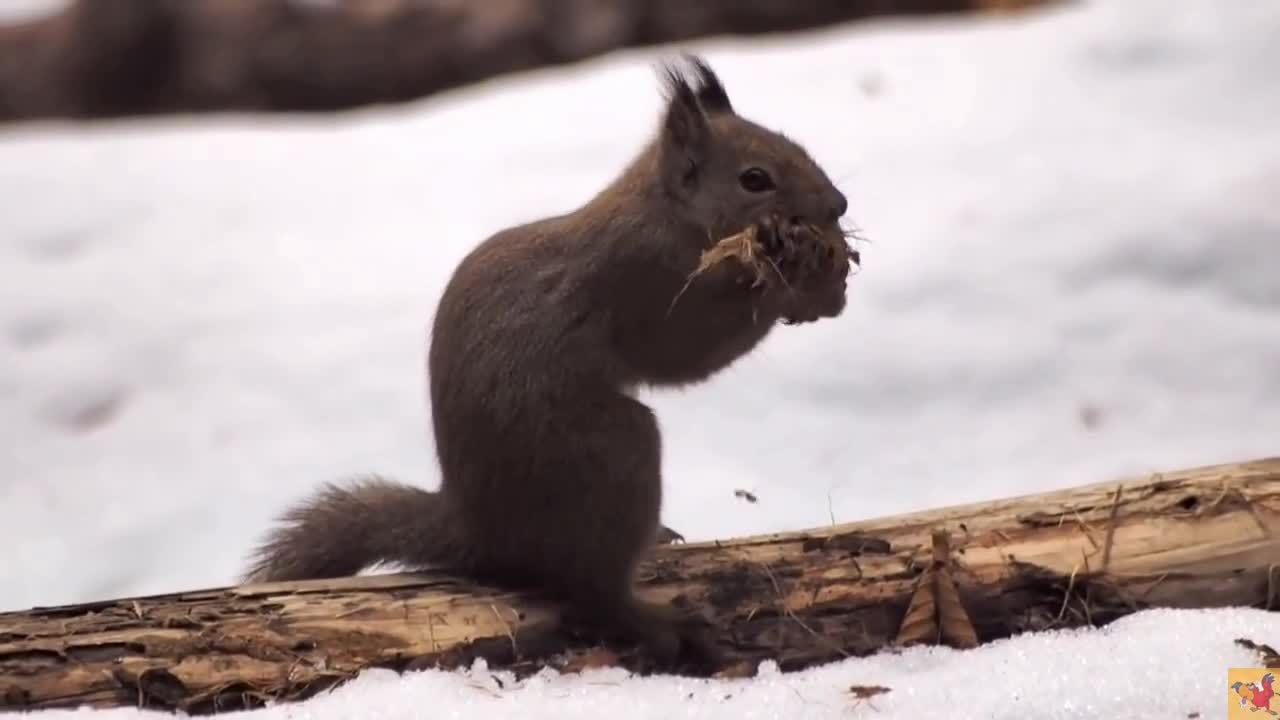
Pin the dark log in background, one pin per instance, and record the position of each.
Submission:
(116, 58)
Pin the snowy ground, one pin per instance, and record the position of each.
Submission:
(1074, 216)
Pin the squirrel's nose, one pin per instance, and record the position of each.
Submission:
(839, 206)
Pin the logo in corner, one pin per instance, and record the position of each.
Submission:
(1251, 693)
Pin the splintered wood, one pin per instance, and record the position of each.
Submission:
(802, 266)
(1267, 655)
(936, 614)
(741, 247)
(1206, 537)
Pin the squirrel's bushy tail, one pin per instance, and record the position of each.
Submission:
(344, 529)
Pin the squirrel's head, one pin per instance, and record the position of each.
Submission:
(725, 170)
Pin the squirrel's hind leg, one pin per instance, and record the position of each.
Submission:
(610, 471)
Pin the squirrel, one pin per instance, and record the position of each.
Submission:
(551, 468)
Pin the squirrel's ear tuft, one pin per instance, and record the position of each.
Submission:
(676, 86)
(709, 90)
(696, 82)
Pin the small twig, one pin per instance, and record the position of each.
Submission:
(1084, 601)
(1153, 586)
(1084, 604)
(1066, 598)
(490, 691)
(360, 609)
(431, 631)
(1084, 528)
(1121, 592)
(515, 650)
(806, 700)
(671, 308)
(688, 281)
(791, 614)
(1111, 530)
(778, 270)
(1213, 505)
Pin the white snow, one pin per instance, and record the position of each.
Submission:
(1073, 213)
(16, 11)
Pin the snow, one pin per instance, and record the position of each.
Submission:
(1073, 216)
(17, 11)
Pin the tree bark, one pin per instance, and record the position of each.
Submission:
(1205, 537)
(115, 58)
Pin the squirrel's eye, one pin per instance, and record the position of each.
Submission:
(755, 180)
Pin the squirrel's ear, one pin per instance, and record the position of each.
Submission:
(686, 133)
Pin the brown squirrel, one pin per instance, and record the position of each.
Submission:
(551, 469)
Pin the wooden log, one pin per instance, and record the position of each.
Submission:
(108, 58)
(1205, 537)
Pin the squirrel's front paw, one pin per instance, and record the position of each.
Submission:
(812, 264)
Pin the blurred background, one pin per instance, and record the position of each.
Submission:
(224, 227)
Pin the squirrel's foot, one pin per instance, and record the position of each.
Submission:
(676, 640)
(666, 536)
(671, 639)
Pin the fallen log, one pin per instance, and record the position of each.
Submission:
(1205, 537)
(108, 59)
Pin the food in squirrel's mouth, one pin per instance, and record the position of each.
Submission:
(799, 256)
(809, 264)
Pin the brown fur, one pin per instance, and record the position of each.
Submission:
(551, 469)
